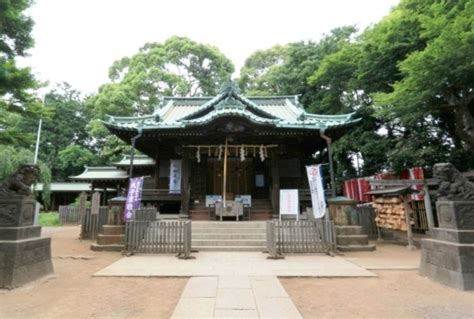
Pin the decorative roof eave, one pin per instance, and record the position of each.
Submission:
(230, 112)
(138, 160)
(101, 173)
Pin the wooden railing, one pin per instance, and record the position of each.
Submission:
(69, 214)
(303, 236)
(158, 237)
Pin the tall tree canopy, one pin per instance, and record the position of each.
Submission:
(179, 67)
(411, 76)
(15, 99)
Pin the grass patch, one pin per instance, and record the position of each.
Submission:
(49, 219)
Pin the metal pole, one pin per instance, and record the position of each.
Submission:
(38, 135)
(331, 165)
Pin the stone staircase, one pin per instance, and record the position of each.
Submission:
(261, 210)
(352, 238)
(229, 236)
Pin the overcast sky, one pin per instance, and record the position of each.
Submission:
(77, 40)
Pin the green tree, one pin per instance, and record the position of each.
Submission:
(65, 127)
(178, 67)
(74, 158)
(437, 79)
(261, 73)
(16, 100)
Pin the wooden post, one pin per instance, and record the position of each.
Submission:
(407, 220)
(428, 208)
(82, 205)
(185, 183)
(275, 183)
(224, 176)
(331, 164)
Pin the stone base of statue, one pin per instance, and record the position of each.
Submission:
(24, 255)
(448, 257)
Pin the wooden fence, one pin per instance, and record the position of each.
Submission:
(69, 214)
(155, 237)
(303, 236)
(91, 224)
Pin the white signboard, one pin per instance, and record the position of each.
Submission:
(175, 176)
(246, 200)
(315, 180)
(211, 200)
(289, 202)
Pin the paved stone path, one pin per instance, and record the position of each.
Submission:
(234, 264)
(234, 284)
(235, 297)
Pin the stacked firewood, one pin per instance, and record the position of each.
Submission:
(390, 213)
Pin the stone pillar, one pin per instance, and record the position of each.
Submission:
(448, 257)
(24, 256)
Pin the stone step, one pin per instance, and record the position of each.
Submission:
(261, 236)
(109, 239)
(236, 224)
(349, 230)
(229, 248)
(115, 247)
(228, 230)
(346, 240)
(350, 248)
(113, 229)
(228, 242)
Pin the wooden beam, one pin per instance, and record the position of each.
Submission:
(403, 182)
(185, 172)
(275, 171)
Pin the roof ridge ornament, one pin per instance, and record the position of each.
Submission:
(228, 88)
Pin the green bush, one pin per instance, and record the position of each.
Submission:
(49, 219)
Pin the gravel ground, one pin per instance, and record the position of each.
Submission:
(393, 294)
(73, 293)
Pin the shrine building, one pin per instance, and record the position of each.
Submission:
(224, 147)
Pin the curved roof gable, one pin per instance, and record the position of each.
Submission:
(279, 111)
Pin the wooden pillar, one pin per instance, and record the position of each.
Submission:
(331, 164)
(185, 172)
(275, 172)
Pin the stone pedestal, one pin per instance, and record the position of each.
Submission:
(448, 257)
(24, 256)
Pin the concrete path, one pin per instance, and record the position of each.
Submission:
(234, 284)
(233, 264)
(235, 297)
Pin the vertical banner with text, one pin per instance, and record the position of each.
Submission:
(133, 197)
(175, 176)
(315, 180)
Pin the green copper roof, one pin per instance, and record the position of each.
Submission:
(277, 111)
